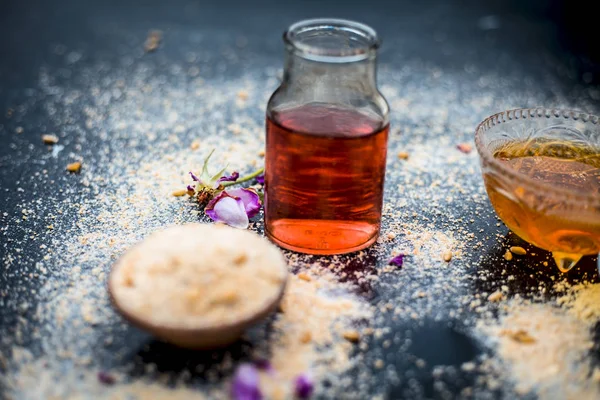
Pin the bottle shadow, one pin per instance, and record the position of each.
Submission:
(356, 270)
(154, 359)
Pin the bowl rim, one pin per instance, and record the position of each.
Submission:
(572, 196)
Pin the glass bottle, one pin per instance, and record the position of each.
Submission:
(326, 140)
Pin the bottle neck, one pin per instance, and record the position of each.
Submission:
(330, 64)
(327, 80)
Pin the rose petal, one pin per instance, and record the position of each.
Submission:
(261, 179)
(245, 384)
(227, 209)
(397, 261)
(303, 386)
(250, 199)
(231, 178)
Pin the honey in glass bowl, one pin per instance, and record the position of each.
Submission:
(541, 170)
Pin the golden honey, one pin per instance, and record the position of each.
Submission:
(541, 213)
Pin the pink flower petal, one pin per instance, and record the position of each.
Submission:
(250, 199)
(227, 209)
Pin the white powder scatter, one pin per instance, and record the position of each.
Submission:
(543, 350)
(142, 153)
(352, 321)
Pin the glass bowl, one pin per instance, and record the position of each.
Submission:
(541, 169)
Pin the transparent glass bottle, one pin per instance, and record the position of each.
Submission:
(326, 143)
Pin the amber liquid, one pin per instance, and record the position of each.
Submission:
(566, 229)
(324, 178)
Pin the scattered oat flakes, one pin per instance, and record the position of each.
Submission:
(508, 255)
(403, 155)
(464, 148)
(468, 366)
(306, 337)
(235, 129)
(351, 336)
(195, 145)
(520, 336)
(74, 167)
(447, 255)
(152, 41)
(518, 250)
(50, 139)
(379, 364)
(496, 296)
(304, 276)
(179, 193)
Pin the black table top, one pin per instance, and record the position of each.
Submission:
(78, 69)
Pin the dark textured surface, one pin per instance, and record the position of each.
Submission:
(531, 61)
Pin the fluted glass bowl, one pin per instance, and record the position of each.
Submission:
(541, 169)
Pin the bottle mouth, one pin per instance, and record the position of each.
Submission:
(332, 40)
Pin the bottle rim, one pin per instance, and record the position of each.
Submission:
(332, 40)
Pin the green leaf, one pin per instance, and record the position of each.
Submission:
(205, 176)
(219, 174)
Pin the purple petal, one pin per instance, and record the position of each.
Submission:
(304, 386)
(264, 365)
(261, 179)
(194, 177)
(227, 209)
(231, 178)
(106, 378)
(250, 199)
(245, 384)
(190, 188)
(397, 261)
